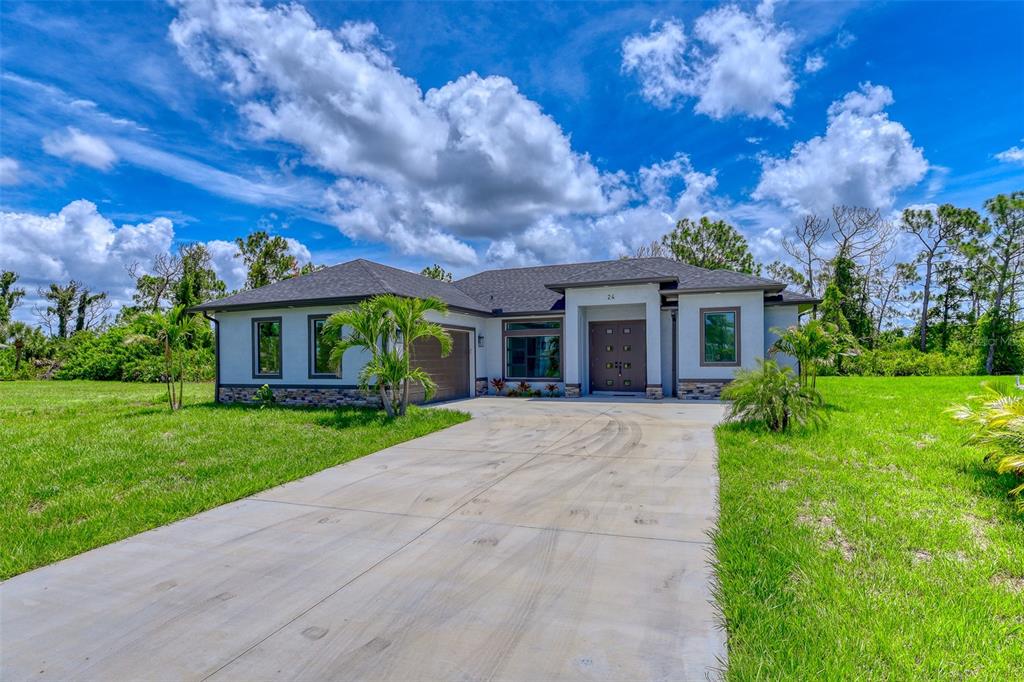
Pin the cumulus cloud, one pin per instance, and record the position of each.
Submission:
(424, 172)
(1012, 155)
(814, 63)
(80, 147)
(863, 159)
(10, 171)
(80, 243)
(739, 64)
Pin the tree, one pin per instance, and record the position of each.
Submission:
(809, 344)
(937, 232)
(435, 271)
(848, 281)
(713, 245)
(386, 327)
(266, 258)
(772, 395)
(27, 341)
(198, 281)
(888, 291)
(408, 318)
(172, 332)
(60, 308)
(1007, 246)
(832, 313)
(153, 289)
(805, 248)
(9, 296)
(653, 250)
(90, 309)
(781, 272)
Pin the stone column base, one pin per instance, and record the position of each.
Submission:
(572, 390)
(655, 392)
(701, 389)
(481, 386)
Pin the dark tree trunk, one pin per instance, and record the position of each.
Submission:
(924, 304)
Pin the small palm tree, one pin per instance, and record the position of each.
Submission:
(26, 340)
(771, 394)
(810, 344)
(172, 331)
(387, 326)
(998, 417)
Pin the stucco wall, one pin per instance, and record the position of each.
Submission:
(780, 317)
(752, 346)
(666, 352)
(236, 362)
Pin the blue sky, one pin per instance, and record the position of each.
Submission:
(485, 135)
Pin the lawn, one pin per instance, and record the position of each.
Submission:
(87, 463)
(879, 547)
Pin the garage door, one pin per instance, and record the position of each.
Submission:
(451, 374)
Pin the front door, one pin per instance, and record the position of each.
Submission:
(618, 356)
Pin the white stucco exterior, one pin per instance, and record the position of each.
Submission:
(582, 306)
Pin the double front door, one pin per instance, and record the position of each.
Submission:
(618, 356)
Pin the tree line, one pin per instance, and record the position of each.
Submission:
(958, 290)
(77, 336)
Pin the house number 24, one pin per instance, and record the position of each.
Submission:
(611, 297)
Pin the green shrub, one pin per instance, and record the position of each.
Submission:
(997, 416)
(264, 396)
(903, 362)
(772, 395)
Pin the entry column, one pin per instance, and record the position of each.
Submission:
(653, 312)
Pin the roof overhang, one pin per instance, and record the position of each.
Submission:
(560, 287)
(212, 307)
(717, 290)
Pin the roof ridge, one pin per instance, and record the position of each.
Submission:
(377, 278)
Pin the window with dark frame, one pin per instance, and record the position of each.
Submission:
(533, 349)
(319, 352)
(267, 347)
(719, 335)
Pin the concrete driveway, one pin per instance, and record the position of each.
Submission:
(542, 540)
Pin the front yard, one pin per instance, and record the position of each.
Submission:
(879, 547)
(87, 463)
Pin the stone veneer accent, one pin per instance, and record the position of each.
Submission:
(317, 396)
(701, 389)
(572, 390)
(655, 392)
(481, 386)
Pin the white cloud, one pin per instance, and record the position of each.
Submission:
(1012, 155)
(80, 147)
(863, 159)
(814, 63)
(10, 171)
(80, 243)
(424, 172)
(739, 67)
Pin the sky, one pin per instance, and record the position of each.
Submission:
(483, 135)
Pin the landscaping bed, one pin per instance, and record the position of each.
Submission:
(878, 547)
(87, 463)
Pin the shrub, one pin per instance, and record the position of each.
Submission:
(900, 362)
(774, 396)
(524, 389)
(264, 396)
(552, 390)
(499, 385)
(997, 416)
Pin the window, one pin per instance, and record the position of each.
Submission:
(719, 336)
(533, 350)
(320, 352)
(266, 342)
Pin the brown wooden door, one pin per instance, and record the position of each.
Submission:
(618, 356)
(451, 373)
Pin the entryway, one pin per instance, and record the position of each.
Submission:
(618, 356)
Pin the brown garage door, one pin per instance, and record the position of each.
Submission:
(451, 374)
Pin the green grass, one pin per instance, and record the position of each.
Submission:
(879, 547)
(83, 463)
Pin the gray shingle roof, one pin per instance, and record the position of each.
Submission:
(348, 281)
(787, 297)
(513, 290)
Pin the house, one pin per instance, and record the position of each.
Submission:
(650, 326)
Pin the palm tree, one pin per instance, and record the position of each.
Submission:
(172, 331)
(25, 339)
(407, 315)
(386, 327)
(809, 344)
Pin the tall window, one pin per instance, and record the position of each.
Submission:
(533, 349)
(320, 352)
(266, 341)
(720, 336)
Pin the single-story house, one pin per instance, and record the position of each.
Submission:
(651, 326)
